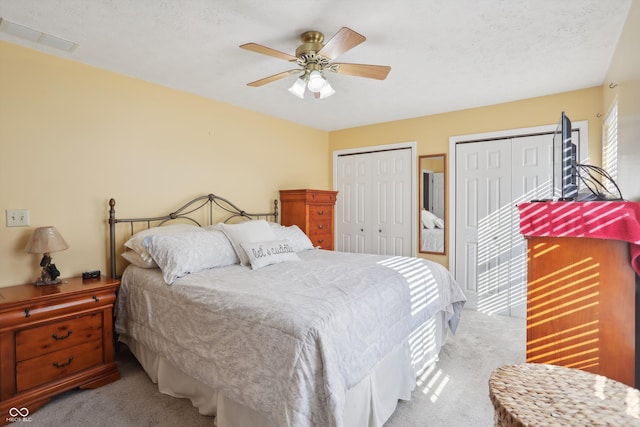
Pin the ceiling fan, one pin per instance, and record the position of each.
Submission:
(315, 57)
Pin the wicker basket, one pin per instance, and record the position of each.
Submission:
(531, 394)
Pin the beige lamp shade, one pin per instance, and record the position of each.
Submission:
(45, 240)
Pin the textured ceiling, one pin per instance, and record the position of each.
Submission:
(444, 55)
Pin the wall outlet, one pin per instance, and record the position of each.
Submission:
(17, 217)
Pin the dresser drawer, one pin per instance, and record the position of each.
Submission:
(57, 336)
(51, 366)
(319, 213)
(325, 241)
(320, 227)
(328, 197)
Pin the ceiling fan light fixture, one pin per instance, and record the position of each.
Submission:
(298, 88)
(316, 81)
(326, 91)
(314, 57)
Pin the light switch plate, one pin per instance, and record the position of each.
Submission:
(17, 217)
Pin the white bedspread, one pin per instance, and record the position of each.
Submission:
(432, 239)
(290, 339)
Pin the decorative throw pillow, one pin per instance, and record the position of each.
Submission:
(249, 231)
(298, 240)
(189, 252)
(135, 242)
(261, 254)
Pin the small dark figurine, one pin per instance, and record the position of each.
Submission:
(50, 272)
(53, 271)
(45, 261)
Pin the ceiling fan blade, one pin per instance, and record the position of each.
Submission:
(345, 39)
(254, 47)
(379, 72)
(273, 78)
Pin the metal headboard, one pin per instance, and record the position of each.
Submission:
(184, 213)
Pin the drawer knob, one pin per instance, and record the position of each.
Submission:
(27, 312)
(95, 298)
(321, 212)
(320, 240)
(320, 226)
(57, 338)
(62, 365)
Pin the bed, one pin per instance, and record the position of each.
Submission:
(258, 328)
(432, 232)
(432, 239)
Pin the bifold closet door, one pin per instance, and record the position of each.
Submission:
(491, 255)
(374, 208)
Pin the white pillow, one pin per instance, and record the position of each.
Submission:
(439, 222)
(428, 219)
(189, 252)
(249, 232)
(261, 254)
(135, 242)
(296, 237)
(135, 259)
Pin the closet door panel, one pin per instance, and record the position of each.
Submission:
(482, 189)
(352, 208)
(375, 214)
(531, 178)
(393, 202)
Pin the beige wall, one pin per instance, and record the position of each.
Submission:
(432, 133)
(73, 136)
(625, 73)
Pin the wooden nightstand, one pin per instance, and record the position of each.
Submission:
(312, 211)
(55, 338)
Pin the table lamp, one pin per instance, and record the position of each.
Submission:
(45, 240)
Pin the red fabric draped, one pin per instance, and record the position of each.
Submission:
(599, 220)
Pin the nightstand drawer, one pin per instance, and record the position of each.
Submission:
(51, 366)
(57, 336)
(63, 305)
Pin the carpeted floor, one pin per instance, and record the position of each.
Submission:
(453, 393)
(456, 391)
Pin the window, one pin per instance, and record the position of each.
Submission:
(610, 145)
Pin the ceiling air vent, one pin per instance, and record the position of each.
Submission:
(36, 36)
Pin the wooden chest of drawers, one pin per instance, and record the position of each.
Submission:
(55, 338)
(312, 211)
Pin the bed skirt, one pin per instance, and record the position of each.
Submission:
(369, 403)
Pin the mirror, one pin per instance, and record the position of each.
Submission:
(432, 214)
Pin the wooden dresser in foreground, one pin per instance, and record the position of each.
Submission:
(54, 338)
(583, 276)
(581, 306)
(312, 211)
